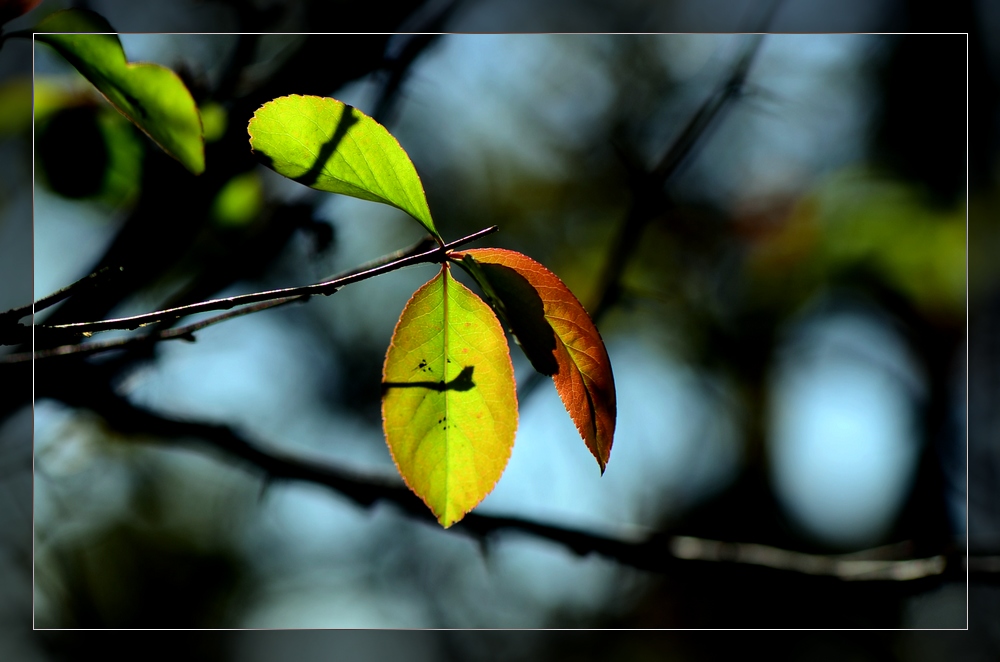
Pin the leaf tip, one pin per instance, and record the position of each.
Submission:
(197, 165)
(446, 522)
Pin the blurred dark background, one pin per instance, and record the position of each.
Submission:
(786, 312)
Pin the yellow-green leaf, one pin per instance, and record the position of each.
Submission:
(152, 97)
(330, 146)
(449, 406)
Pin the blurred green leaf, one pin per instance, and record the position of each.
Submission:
(15, 99)
(330, 146)
(214, 120)
(150, 96)
(52, 94)
(125, 151)
(239, 201)
(860, 218)
(918, 248)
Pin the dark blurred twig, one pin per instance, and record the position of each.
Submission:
(416, 34)
(649, 201)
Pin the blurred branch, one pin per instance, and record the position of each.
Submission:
(850, 567)
(417, 33)
(649, 200)
(655, 553)
(416, 255)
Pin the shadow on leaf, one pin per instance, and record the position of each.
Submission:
(346, 121)
(462, 382)
(524, 313)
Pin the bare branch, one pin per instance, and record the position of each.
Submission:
(187, 332)
(182, 332)
(285, 295)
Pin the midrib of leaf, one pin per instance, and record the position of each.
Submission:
(444, 376)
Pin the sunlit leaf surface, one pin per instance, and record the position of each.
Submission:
(330, 146)
(558, 337)
(449, 406)
(150, 96)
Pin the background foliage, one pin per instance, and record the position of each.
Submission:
(800, 277)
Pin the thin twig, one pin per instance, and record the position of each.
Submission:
(436, 254)
(187, 332)
(182, 332)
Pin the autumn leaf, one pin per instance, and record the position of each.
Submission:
(556, 334)
(449, 406)
(330, 146)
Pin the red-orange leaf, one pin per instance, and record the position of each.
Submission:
(556, 334)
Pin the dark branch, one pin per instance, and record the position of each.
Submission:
(654, 553)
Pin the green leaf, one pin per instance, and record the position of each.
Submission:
(556, 334)
(150, 96)
(449, 407)
(330, 146)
